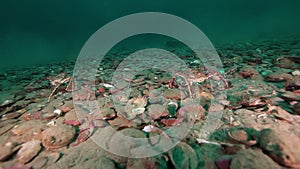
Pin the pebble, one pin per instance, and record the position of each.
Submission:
(39, 162)
(296, 108)
(7, 151)
(121, 142)
(174, 94)
(28, 151)
(157, 110)
(58, 136)
(252, 159)
(281, 146)
(183, 156)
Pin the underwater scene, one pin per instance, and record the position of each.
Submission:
(192, 84)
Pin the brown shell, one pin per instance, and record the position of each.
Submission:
(58, 136)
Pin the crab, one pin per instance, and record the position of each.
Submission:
(58, 81)
(196, 77)
(85, 132)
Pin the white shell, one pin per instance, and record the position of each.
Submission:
(296, 73)
(148, 128)
(108, 85)
(57, 112)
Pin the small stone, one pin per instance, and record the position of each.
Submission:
(135, 106)
(281, 146)
(192, 111)
(122, 142)
(296, 73)
(296, 108)
(290, 96)
(6, 151)
(156, 100)
(156, 110)
(71, 115)
(252, 159)
(293, 84)
(68, 106)
(134, 112)
(183, 156)
(58, 136)
(6, 102)
(28, 151)
(27, 127)
(39, 162)
(278, 77)
(121, 122)
(12, 115)
(174, 94)
(135, 163)
(108, 113)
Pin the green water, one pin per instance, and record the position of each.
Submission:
(36, 32)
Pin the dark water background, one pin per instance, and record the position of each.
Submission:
(36, 32)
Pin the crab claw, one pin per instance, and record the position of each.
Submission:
(83, 135)
(171, 83)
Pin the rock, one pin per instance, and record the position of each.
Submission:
(174, 94)
(67, 106)
(293, 84)
(86, 155)
(290, 96)
(153, 163)
(252, 159)
(6, 103)
(242, 135)
(107, 113)
(285, 62)
(183, 156)
(247, 119)
(58, 136)
(249, 72)
(28, 151)
(157, 110)
(192, 112)
(6, 128)
(278, 77)
(134, 112)
(11, 115)
(281, 146)
(38, 162)
(28, 130)
(296, 73)
(296, 108)
(133, 163)
(224, 161)
(135, 106)
(121, 122)
(156, 100)
(99, 163)
(7, 151)
(244, 91)
(122, 143)
(71, 115)
(215, 108)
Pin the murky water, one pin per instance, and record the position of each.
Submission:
(35, 32)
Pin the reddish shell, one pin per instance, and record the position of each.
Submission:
(101, 89)
(171, 121)
(72, 122)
